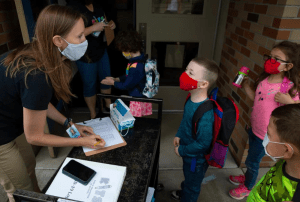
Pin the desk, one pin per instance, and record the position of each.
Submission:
(140, 156)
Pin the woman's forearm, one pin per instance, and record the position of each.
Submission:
(89, 30)
(55, 115)
(54, 141)
(34, 128)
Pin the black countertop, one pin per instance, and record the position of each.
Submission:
(138, 156)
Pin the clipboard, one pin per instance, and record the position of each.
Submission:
(92, 152)
(109, 33)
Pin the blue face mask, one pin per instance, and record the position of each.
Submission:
(266, 142)
(74, 51)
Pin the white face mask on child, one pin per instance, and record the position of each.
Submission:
(266, 142)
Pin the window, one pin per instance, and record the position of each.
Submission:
(172, 59)
(194, 7)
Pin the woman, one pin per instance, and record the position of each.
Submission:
(28, 78)
(96, 61)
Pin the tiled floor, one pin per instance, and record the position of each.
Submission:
(170, 173)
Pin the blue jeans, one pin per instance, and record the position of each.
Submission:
(191, 186)
(255, 154)
(89, 72)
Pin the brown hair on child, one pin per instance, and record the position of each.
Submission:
(211, 69)
(287, 122)
(129, 41)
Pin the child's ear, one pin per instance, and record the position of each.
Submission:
(288, 152)
(288, 66)
(203, 84)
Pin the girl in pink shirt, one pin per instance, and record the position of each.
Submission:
(277, 85)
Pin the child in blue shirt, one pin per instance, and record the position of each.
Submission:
(130, 43)
(200, 74)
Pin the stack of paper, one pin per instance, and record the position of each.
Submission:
(107, 130)
(104, 187)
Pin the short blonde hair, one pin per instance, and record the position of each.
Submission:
(211, 69)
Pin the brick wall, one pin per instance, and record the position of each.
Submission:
(10, 32)
(252, 28)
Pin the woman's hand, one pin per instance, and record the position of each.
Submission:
(112, 25)
(284, 98)
(89, 137)
(93, 141)
(108, 81)
(99, 26)
(84, 129)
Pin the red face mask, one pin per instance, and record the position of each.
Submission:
(271, 66)
(187, 83)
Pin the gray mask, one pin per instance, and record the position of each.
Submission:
(74, 51)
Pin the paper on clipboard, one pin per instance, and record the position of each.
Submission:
(109, 33)
(107, 130)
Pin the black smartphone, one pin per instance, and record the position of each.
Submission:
(79, 172)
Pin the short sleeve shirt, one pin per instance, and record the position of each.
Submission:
(264, 104)
(35, 94)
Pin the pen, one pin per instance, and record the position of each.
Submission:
(98, 142)
(95, 19)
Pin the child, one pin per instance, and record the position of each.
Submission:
(200, 74)
(280, 67)
(282, 141)
(130, 43)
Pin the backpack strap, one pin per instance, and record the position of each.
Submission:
(140, 61)
(205, 107)
(284, 87)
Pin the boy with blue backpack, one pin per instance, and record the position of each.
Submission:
(202, 139)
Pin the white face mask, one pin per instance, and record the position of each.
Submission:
(74, 51)
(266, 142)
